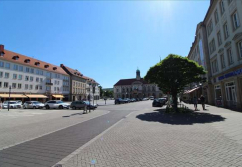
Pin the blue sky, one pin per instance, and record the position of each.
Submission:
(105, 40)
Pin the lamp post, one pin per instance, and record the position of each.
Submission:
(93, 91)
(9, 96)
(90, 96)
(105, 96)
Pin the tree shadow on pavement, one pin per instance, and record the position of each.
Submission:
(180, 118)
(72, 115)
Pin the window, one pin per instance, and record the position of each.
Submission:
(15, 67)
(41, 79)
(40, 87)
(58, 82)
(210, 27)
(20, 77)
(37, 79)
(1, 74)
(55, 82)
(239, 48)
(14, 76)
(58, 89)
(48, 74)
(6, 75)
(230, 56)
(36, 87)
(216, 16)
(47, 88)
(215, 66)
(222, 61)
(235, 19)
(37, 72)
(5, 85)
(226, 31)
(14, 85)
(19, 86)
(41, 72)
(26, 86)
(0, 84)
(20, 68)
(30, 87)
(26, 78)
(31, 79)
(32, 70)
(212, 46)
(26, 69)
(219, 38)
(1, 64)
(7, 65)
(222, 10)
(231, 92)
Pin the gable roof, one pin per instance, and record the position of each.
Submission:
(90, 79)
(28, 61)
(129, 81)
(71, 71)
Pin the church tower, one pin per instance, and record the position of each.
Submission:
(138, 74)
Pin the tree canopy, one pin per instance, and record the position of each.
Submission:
(173, 73)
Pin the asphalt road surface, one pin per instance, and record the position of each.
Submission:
(48, 136)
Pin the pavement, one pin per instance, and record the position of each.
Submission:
(132, 135)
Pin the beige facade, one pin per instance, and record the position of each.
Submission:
(223, 52)
(78, 89)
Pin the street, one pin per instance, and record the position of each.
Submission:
(133, 134)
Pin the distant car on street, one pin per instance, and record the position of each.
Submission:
(119, 101)
(12, 104)
(144, 99)
(126, 100)
(162, 101)
(78, 105)
(56, 104)
(33, 104)
(157, 103)
(151, 97)
(133, 100)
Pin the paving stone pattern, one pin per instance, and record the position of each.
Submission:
(137, 143)
(50, 149)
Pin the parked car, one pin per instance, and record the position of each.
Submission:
(133, 100)
(56, 104)
(163, 101)
(144, 99)
(78, 105)
(118, 101)
(19, 102)
(33, 104)
(151, 97)
(126, 100)
(157, 103)
(90, 105)
(12, 104)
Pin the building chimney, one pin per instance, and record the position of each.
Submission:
(1, 50)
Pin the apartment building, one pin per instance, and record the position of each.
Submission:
(92, 89)
(78, 83)
(224, 34)
(26, 78)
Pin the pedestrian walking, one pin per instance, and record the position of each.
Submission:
(202, 98)
(195, 103)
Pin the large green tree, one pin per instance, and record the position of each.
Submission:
(173, 73)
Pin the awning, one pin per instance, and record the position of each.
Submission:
(12, 96)
(58, 96)
(190, 91)
(36, 96)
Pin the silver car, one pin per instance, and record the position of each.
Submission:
(12, 104)
(56, 104)
(33, 104)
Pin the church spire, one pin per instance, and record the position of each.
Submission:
(138, 74)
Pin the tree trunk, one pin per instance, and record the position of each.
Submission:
(174, 99)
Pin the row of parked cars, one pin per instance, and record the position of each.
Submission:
(52, 104)
(127, 100)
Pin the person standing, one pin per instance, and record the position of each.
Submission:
(195, 103)
(202, 98)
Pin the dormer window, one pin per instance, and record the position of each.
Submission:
(54, 68)
(15, 57)
(47, 66)
(26, 60)
(1, 54)
(37, 63)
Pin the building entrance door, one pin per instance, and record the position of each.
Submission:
(231, 94)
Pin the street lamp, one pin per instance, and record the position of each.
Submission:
(90, 96)
(105, 96)
(9, 96)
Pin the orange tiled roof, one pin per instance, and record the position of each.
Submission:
(72, 71)
(22, 59)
